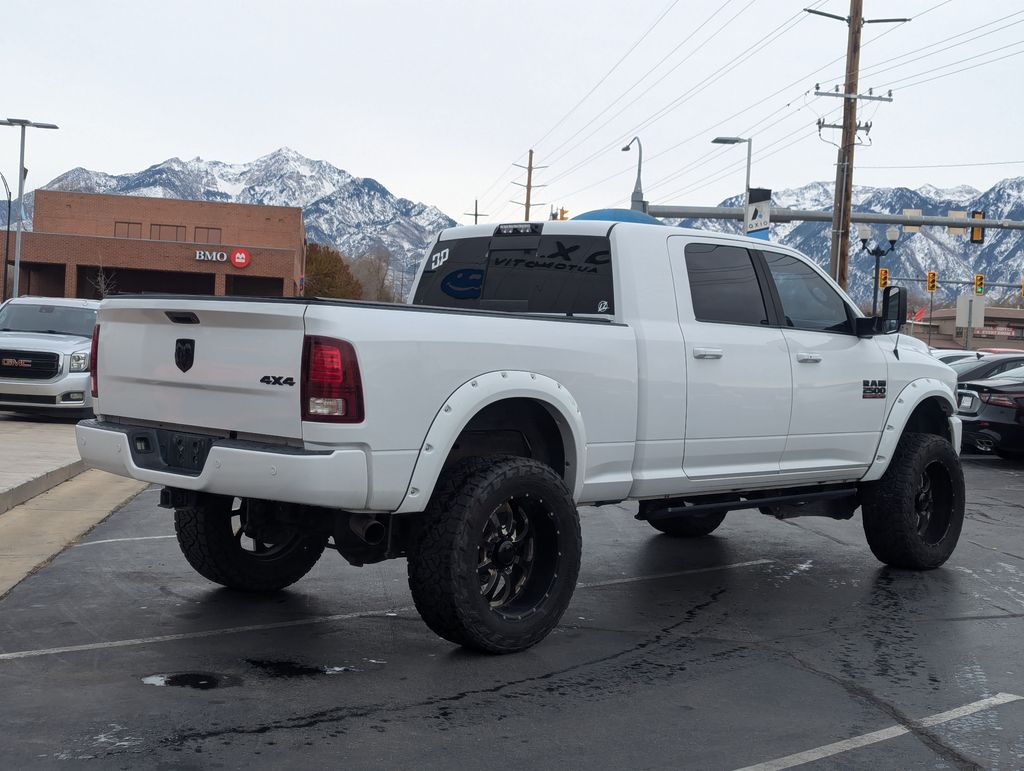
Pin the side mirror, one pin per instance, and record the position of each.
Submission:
(894, 308)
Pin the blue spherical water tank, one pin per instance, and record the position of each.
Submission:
(619, 215)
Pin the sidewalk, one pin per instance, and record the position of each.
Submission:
(36, 455)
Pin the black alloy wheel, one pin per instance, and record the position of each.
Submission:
(913, 515)
(246, 545)
(933, 503)
(516, 536)
(495, 561)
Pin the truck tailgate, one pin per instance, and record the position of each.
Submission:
(219, 364)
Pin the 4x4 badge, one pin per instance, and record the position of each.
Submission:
(184, 354)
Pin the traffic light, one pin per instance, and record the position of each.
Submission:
(977, 234)
(883, 278)
(979, 283)
(563, 213)
(931, 280)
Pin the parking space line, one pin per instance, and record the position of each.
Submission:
(195, 635)
(656, 576)
(119, 540)
(882, 735)
(317, 620)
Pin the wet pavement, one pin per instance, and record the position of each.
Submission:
(763, 641)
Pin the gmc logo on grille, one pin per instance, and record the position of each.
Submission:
(16, 363)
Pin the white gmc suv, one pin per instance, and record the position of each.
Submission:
(537, 367)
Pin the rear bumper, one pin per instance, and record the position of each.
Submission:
(987, 432)
(335, 479)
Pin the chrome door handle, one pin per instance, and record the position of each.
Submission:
(808, 358)
(707, 353)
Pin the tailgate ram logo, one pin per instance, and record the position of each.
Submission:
(184, 354)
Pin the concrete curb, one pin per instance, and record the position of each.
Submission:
(18, 494)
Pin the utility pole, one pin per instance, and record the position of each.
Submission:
(839, 256)
(475, 214)
(530, 168)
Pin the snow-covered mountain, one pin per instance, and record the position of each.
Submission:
(1000, 258)
(358, 215)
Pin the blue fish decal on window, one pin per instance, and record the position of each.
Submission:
(463, 284)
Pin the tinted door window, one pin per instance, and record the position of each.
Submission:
(535, 274)
(724, 286)
(808, 302)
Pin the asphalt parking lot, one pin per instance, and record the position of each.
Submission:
(766, 641)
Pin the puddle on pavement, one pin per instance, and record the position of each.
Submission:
(202, 681)
(290, 669)
(206, 681)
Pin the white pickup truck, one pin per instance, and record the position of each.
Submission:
(536, 368)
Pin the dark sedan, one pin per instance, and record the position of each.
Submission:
(992, 412)
(993, 365)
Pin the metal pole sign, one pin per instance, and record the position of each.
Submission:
(758, 212)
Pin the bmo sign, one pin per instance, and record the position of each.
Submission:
(239, 258)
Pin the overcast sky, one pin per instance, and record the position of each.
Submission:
(437, 99)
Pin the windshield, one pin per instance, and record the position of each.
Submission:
(964, 365)
(49, 319)
(1017, 373)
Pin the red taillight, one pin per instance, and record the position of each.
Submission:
(1003, 400)
(332, 390)
(94, 364)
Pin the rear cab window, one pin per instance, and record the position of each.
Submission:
(520, 273)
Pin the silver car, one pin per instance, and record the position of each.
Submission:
(44, 354)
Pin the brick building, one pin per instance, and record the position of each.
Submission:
(1003, 328)
(80, 241)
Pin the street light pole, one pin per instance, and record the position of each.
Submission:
(7, 243)
(24, 123)
(746, 189)
(637, 202)
(892, 233)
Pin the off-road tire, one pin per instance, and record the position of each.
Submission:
(207, 540)
(689, 526)
(907, 525)
(445, 558)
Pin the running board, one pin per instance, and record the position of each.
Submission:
(835, 504)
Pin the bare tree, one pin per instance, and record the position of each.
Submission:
(374, 272)
(105, 284)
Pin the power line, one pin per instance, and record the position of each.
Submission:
(941, 42)
(732, 170)
(718, 151)
(624, 93)
(953, 64)
(946, 165)
(877, 72)
(734, 166)
(615, 66)
(503, 175)
(811, 74)
(679, 101)
(561, 120)
(696, 162)
(839, 76)
(703, 132)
